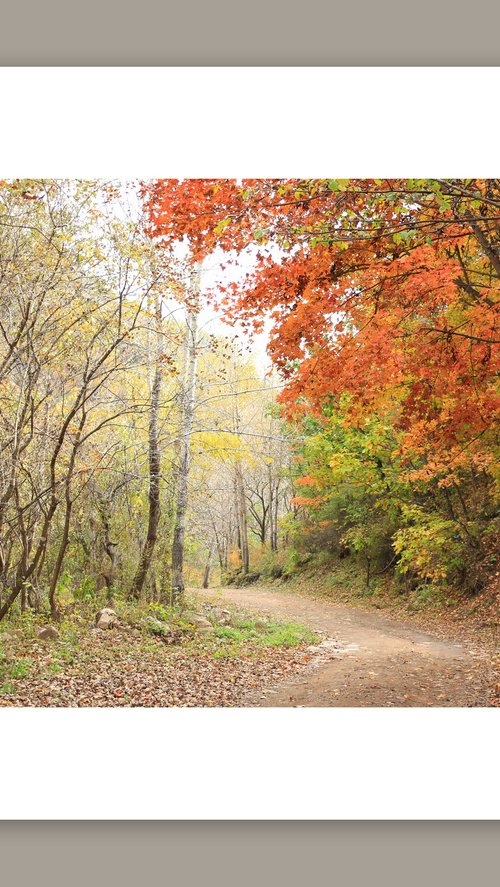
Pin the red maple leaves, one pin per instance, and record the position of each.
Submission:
(386, 290)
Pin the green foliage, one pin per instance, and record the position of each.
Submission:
(353, 490)
(12, 669)
(355, 500)
(64, 588)
(85, 590)
(429, 545)
(3, 662)
(258, 632)
(20, 669)
(288, 634)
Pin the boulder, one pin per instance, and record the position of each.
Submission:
(200, 623)
(217, 614)
(150, 620)
(48, 633)
(163, 631)
(106, 618)
(203, 625)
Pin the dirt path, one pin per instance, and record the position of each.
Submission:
(366, 659)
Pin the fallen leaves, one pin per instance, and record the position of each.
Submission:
(124, 669)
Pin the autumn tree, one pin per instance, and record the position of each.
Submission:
(382, 290)
(72, 298)
(187, 410)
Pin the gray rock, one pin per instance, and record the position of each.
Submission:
(158, 625)
(48, 633)
(200, 623)
(106, 618)
(162, 630)
(217, 614)
(203, 625)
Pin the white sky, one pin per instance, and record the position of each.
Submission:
(218, 270)
(213, 276)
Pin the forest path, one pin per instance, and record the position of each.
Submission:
(366, 659)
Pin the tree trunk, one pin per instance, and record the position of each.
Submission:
(154, 491)
(186, 427)
(274, 520)
(59, 562)
(154, 462)
(67, 520)
(241, 504)
(241, 510)
(107, 574)
(208, 565)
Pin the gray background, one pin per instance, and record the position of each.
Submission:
(237, 854)
(260, 32)
(264, 32)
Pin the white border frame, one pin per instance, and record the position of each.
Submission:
(249, 764)
(246, 763)
(204, 122)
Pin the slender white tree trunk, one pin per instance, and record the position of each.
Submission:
(241, 511)
(241, 504)
(186, 427)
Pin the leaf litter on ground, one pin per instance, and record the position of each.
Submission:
(138, 664)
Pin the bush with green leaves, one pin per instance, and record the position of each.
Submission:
(429, 545)
(358, 496)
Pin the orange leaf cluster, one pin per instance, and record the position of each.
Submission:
(386, 290)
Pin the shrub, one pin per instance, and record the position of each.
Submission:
(85, 590)
(239, 579)
(429, 546)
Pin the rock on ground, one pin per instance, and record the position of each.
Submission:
(105, 618)
(200, 623)
(48, 633)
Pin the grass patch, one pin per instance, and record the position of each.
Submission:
(247, 635)
(288, 634)
(12, 669)
(20, 670)
(24, 656)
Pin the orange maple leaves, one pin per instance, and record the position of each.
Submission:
(387, 290)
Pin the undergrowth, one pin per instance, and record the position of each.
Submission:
(147, 626)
